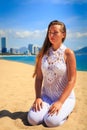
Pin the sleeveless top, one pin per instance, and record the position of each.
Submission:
(54, 71)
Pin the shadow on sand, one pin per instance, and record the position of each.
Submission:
(15, 115)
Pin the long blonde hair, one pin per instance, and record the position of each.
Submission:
(47, 43)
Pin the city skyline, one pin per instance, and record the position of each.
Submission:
(25, 22)
(30, 49)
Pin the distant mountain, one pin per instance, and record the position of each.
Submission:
(81, 51)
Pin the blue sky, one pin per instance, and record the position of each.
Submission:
(25, 22)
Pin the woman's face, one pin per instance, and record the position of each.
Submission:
(55, 35)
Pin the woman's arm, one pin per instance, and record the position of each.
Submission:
(71, 71)
(38, 84)
(38, 80)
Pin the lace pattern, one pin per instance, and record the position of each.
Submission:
(54, 72)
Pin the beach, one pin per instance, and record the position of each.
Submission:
(17, 95)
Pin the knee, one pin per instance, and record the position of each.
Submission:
(51, 122)
(31, 119)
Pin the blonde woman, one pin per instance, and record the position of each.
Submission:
(55, 77)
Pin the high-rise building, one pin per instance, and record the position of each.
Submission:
(36, 50)
(30, 48)
(3, 45)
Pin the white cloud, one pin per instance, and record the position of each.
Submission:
(36, 34)
(23, 34)
(2, 33)
(76, 34)
(5, 33)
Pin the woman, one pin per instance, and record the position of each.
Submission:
(55, 77)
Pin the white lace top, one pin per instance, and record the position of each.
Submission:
(54, 73)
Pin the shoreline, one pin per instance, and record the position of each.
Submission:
(30, 60)
(81, 65)
(17, 95)
(15, 55)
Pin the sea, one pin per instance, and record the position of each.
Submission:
(81, 60)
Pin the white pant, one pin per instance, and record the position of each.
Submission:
(35, 118)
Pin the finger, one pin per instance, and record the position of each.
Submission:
(52, 111)
(34, 107)
(41, 105)
(57, 111)
(51, 108)
(38, 107)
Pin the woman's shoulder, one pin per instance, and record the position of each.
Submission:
(69, 54)
(68, 51)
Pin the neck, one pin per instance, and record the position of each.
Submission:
(56, 47)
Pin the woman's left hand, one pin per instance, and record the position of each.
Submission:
(55, 107)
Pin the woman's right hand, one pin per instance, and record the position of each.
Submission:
(38, 104)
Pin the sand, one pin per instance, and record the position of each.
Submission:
(17, 95)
